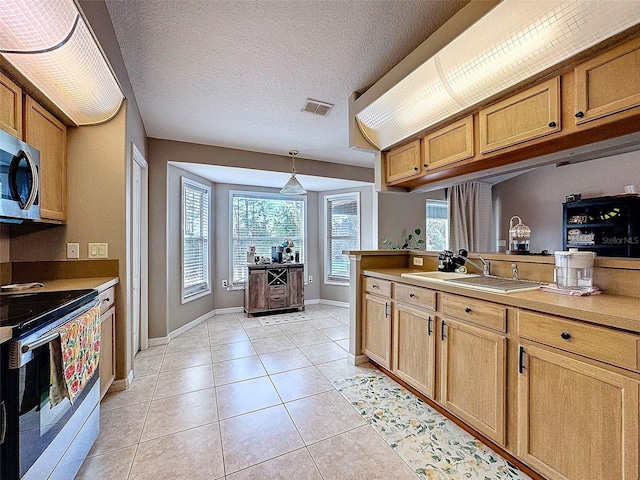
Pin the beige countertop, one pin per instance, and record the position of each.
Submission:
(607, 310)
(97, 283)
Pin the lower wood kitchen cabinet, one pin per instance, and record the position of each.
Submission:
(560, 394)
(107, 365)
(376, 321)
(472, 376)
(576, 420)
(414, 346)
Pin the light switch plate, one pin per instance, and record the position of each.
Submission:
(73, 250)
(98, 250)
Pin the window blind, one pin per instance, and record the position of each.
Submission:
(342, 224)
(195, 239)
(264, 220)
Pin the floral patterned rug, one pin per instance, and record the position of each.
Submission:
(431, 444)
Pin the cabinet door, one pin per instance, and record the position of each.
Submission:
(47, 134)
(449, 144)
(414, 347)
(609, 83)
(576, 420)
(473, 369)
(404, 162)
(531, 114)
(295, 287)
(257, 293)
(10, 107)
(107, 365)
(376, 327)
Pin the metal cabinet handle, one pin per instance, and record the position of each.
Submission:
(553, 124)
(374, 286)
(442, 335)
(467, 310)
(3, 422)
(386, 310)
(412, 295)
(429, 330)
(521, 360)
(565, 335)
(579, 114)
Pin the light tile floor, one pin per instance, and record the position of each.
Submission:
(233, 399)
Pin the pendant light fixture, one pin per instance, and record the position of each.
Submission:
(293, 187)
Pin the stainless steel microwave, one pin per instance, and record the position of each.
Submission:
(19, 180)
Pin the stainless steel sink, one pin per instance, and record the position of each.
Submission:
(487, 283)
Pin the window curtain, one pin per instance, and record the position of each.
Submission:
(471, 217)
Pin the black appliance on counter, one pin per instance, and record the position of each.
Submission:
(41, 441)
(449, 261)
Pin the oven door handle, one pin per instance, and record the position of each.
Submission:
(44, 339)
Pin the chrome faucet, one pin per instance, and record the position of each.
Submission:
(514, 271)
(485, 265)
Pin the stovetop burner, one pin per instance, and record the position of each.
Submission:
(26, 311)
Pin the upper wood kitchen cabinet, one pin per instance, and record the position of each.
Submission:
(405, 162)
(530, 114)
(44, 132)
(449, 144)
(376, 321)
(10, 107)
(608, 83)
(577, 419)
(414, 346)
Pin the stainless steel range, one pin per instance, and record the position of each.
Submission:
(42, 441)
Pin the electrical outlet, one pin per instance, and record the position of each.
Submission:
(310, 279)
(419, 261)
(98, 250)
(225, 284)
(502, 243)
(73, 250)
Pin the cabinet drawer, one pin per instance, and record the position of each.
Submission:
(377, 286)
(277, 302)
(604, 344)
(107, 298)
(476, 311)
(420, 297)
(277, 291)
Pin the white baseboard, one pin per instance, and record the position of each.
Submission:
(159, 341)
(223, 311)
(312, 302)
(335, 303)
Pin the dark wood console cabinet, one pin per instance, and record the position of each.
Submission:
(275, 286)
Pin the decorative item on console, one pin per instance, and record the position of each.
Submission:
(519, 236)
(251, 254)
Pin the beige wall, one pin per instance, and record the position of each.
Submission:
(537, 196)
(401, 213)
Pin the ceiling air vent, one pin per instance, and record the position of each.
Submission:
(317, 107)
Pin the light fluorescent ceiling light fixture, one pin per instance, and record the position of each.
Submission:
(49, 42)
(293, 186)
(512, 42)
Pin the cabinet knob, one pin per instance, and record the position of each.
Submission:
(579, 114)
(424, 165)
(467, 310)
(553, 124)
(416, 168)
(565, 335)
(412, 295)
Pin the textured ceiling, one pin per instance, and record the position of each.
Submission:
(237, 73)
